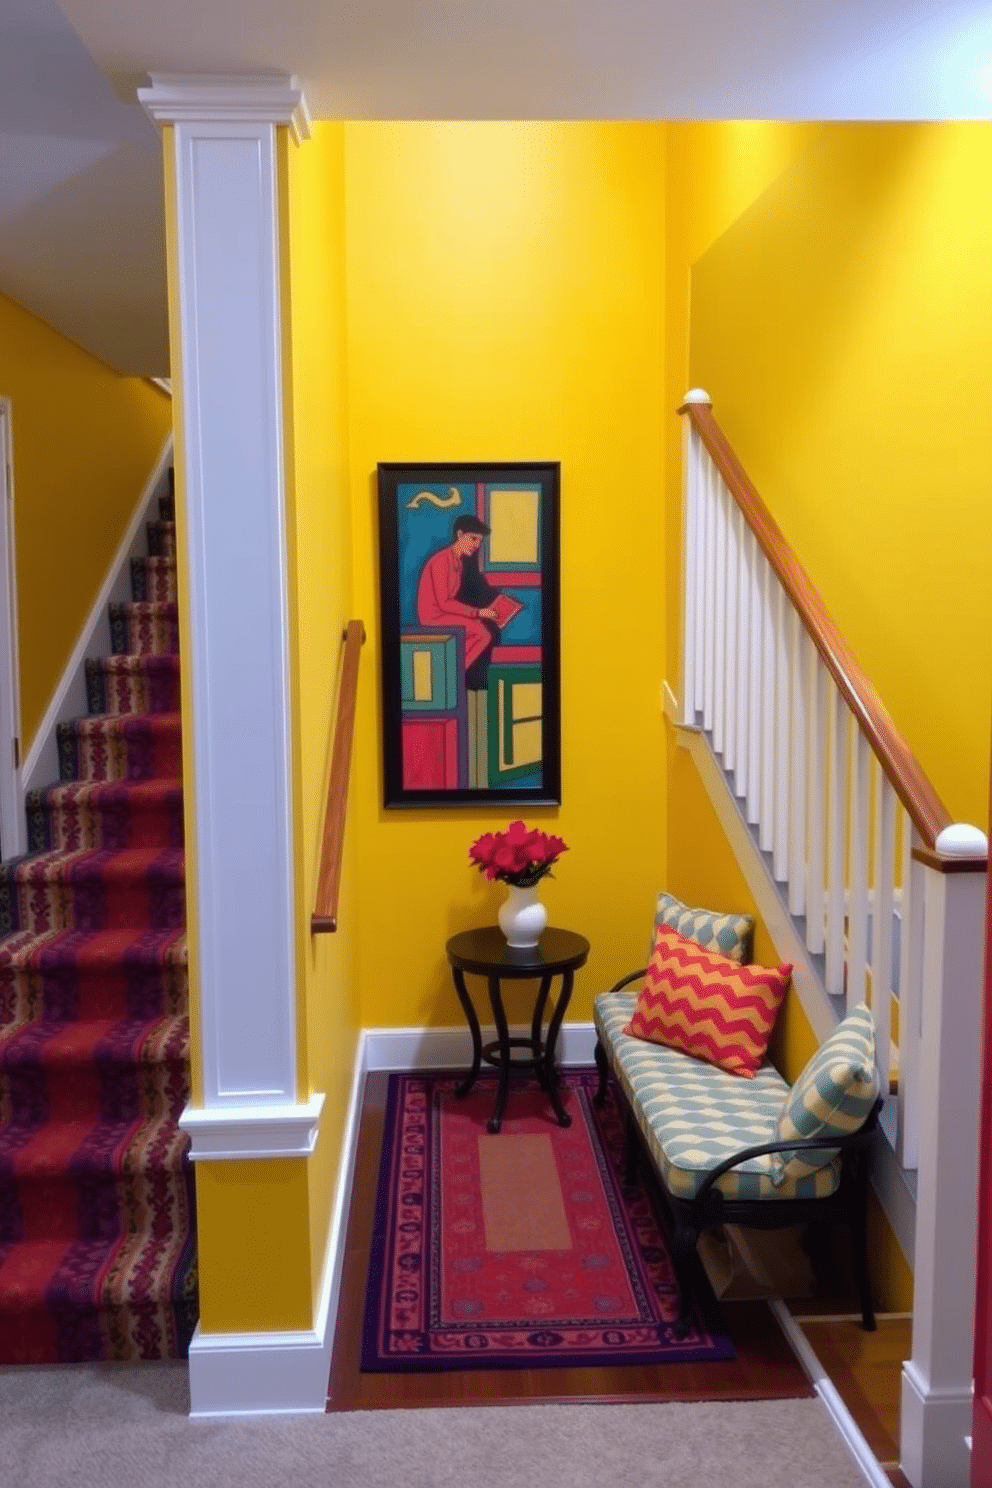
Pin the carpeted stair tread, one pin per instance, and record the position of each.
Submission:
(144, 627)
(68, 974)
(133, 1297)
(132, 684)
(117, 814)
(94, 889)
(121, 746)
(153, 578)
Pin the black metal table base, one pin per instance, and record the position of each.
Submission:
(559, 952)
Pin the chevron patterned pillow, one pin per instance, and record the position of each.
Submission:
(707, 1005)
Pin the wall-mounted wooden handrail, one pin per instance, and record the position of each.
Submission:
(325, 916)
(922, 803)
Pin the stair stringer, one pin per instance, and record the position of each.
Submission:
(894, 1186)
(41, 762)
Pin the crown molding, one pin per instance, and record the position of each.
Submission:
(196, 98)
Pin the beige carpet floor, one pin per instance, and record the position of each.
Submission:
(88, 1426)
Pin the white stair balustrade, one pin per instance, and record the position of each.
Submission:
(862, 849)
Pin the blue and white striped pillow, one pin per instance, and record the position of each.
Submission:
(832, 1097)
(730, 935)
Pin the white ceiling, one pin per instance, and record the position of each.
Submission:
(80, 170)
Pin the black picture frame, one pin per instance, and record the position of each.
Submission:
(471, 702)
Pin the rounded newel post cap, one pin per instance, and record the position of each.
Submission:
(960, 840)
(698, 395)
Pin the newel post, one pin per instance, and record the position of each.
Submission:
(937, 1380)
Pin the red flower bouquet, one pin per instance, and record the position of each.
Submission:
(520, 856)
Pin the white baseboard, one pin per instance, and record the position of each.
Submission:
(934, 1431)
(258, 1374)
(451, 1048)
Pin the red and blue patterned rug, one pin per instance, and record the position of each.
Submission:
(522, 1249)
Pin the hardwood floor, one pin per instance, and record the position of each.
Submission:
(765, 1367)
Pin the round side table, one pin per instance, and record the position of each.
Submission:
(486, 953)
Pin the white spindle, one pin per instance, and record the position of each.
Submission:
(857, 909)
(797, 776)
(756, 643)
(882, 921)
(721, 508)
(769, 613)
(836, 821)
(783, 721)
(699, 578)
(709, 612)
(817, 748)
(735, 536)
(744, 661)
(910, 998)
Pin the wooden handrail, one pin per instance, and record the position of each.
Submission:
(325, 917)
(923, 805)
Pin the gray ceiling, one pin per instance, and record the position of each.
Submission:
(81, 236)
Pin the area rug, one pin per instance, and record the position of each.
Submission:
(519, 1249)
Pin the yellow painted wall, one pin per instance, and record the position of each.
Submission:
(321, 562)
(714, 172)
(843, 327)
(85, 442)
(505, 302)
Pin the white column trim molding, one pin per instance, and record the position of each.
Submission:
(236, 597)
(238, 1133)
(205, 98)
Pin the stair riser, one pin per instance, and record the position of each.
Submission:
(39, 904)
(93, 1206)
(67, 994)
(121, 748)
(136, 631)
(117, 686)
(41, 1335)
(153, 578)
(72, 825)
(160, 538)
(137, 1092)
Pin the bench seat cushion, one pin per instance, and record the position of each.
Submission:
(692, 1115)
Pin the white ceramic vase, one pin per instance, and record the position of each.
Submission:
(522, 917)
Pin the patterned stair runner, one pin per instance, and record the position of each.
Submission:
(97, 1219)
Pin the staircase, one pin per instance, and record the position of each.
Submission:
(97, 1220)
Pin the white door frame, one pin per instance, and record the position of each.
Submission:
(13, 833)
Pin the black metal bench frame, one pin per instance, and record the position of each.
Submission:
(710, 1207)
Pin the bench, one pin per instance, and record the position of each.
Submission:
(713, 1138)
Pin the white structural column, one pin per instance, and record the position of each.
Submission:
(937, 1380)
(230, 371)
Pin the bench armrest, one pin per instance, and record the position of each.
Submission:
(626, 981)
(804, 1144)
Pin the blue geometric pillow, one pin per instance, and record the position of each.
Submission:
(832, 1097)
(729, 934)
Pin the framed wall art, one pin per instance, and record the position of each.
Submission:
(469, 575)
